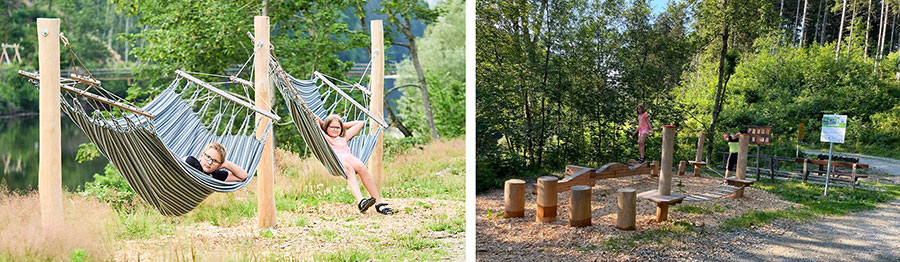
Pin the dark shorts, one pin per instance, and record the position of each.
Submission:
(732, 161)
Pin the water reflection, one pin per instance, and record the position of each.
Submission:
(19, 157)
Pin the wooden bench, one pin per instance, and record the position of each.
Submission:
(853, 175)
(734, 181)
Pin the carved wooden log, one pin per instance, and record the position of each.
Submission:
(514, 198)
(580, 206)
(625, 216)
(546, 199)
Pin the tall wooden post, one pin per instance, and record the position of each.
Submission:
(699, 158)
(741, 174)
(265, 193)
(376, 104)
(668, 146)
(50, 171)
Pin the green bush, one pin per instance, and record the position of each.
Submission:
(110, 187)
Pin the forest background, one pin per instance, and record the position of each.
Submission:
(557, 82)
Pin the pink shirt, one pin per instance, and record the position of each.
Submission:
(644, 123)
(339, 144)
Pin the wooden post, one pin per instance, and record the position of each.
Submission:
(853, 177)
(376, 104)
(50, 170)
(546, 199)
(265, 193)
(682, 166)
(625, 216)
(699, 156)
(514, 197)
(741, 172)
(805, 169)
(665, 172)
(662, 213)
(580, 206)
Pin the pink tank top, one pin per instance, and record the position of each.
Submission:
(339, 144)
(644, 122)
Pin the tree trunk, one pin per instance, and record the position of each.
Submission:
(890, 45)
(820, 26)
(868, 28)
(825, 13)
(852, 25)
(796, 22)
(719, 83)
(841, 29)
(423, 86)
(395, 122)
(802, 26)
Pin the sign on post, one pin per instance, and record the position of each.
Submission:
(833, 128)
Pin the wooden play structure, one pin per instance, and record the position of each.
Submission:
(7, 58)
(663, 196)
(740, 179)
(49, 181)
(585, 176)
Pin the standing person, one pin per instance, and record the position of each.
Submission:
(733, 145)
(643, 129)
(338, 134)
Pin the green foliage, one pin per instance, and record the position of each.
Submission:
(665, 235)
(110, 187)
(394, 147)
(86, 152)
(442, 57)
(79, 255)
(451, 225)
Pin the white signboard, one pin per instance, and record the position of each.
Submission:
(833, 128)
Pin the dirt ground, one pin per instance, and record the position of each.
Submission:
(330, 227)
(516, 239)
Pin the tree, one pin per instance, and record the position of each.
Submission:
(442, 57)
(400, 15)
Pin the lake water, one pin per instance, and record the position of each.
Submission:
(19, 148)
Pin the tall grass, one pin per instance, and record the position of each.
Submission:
(83, 235)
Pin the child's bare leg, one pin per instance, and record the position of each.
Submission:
(352, 183)
(366, 178)
(641, 138)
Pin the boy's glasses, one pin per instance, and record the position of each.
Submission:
(211, 160)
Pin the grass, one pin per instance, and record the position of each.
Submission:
(665, 235)
(840, 201)
(302, 186)
(451, 225)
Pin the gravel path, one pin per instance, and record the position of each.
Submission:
(872, 235)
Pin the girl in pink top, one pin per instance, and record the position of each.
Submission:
(338, 134)
(643, 129)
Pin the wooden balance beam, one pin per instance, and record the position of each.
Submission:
(584, 176)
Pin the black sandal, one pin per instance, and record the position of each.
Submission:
(365, 204)
(384, 210)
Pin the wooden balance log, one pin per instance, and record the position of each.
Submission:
(546, 199)
(626, 211)
(663, 196)
(585, 176)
